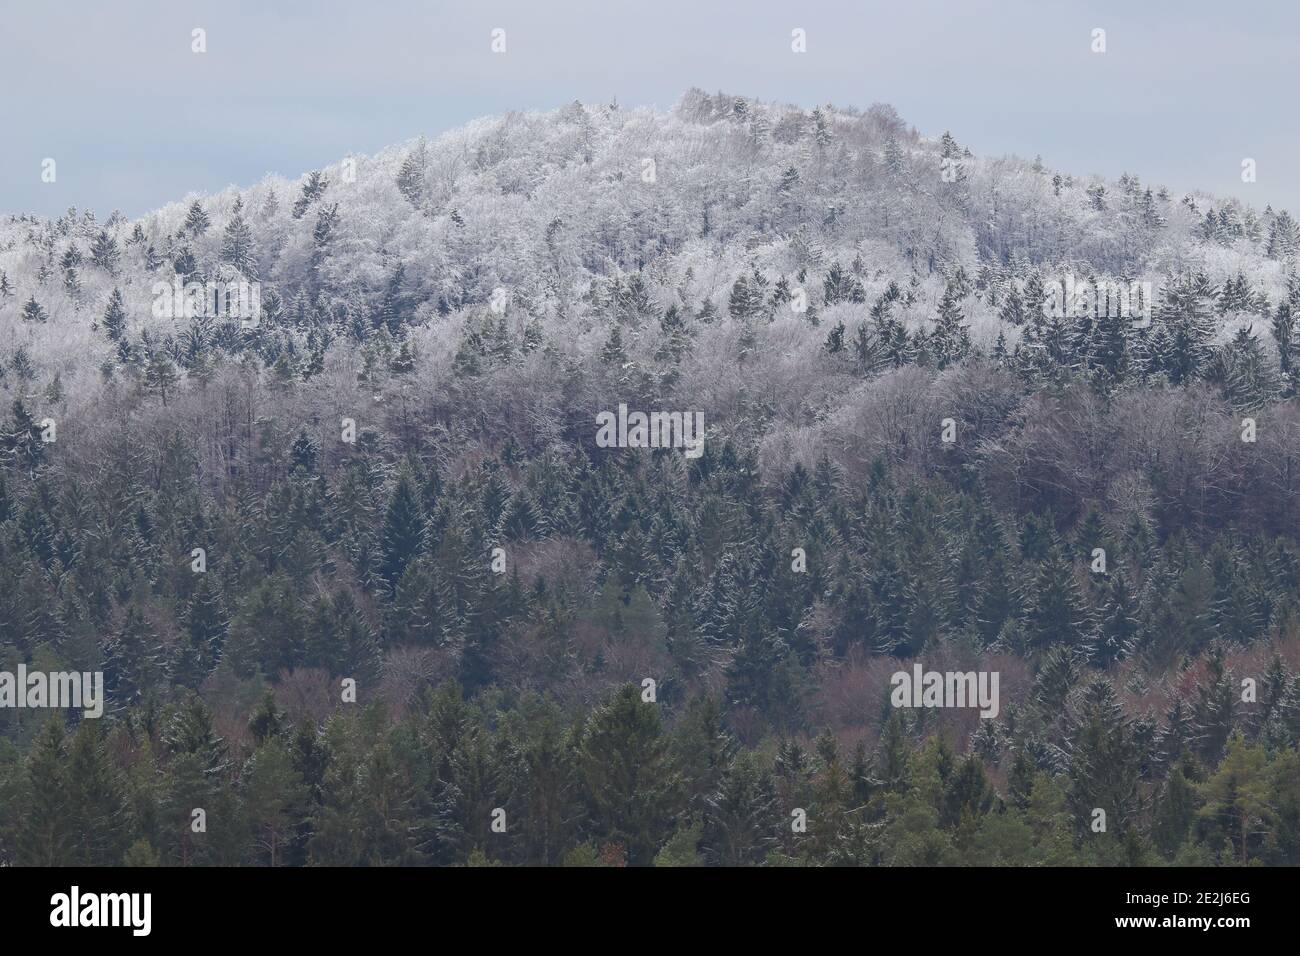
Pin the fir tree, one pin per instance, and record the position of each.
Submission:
(196, 220)
(115, 316)
(237, 243)
(34, 312)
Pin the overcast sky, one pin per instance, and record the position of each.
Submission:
(1184, 92)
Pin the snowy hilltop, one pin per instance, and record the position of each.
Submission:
(759, 260)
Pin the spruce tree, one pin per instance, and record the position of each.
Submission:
(115, 316)
(196, 220)
(402, 530)
(104, 252)
(237, 243)
(33, 311)
(624, 763)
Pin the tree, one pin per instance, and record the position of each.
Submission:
(1054, 607)
(196, 220)
(132, 660)
(115, 316)
(402, 531)
(312, 190)
(894, 157)
(160, 374)
(1117, 625)
(1283, 237)
(204, 621)
(237, 243)
(1285, 335)
(273, 797)
(104, 252)
(624, 764)
(33, 311)
(45, 838)
(410, 178)
(1214, 712)
(1237, 798)
(1176, 810)
(1103, 760)
(97, 812)
(20, 441)
(1245, 374)
(950, 341)
(1187, 326)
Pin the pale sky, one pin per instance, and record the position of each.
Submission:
(1184, 92)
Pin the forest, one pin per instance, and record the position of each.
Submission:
(366, 589)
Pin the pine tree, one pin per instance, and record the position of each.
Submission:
(131, 660)
(611, 352)
(312, 190)
(1175, 810)
(196, 220)
(1185, 315)
(1237, 799)
(1245, 374)
(741, 818)
(1103, 760)
(190, 731)
(402, 530)
(835, 340)
(410, 178)
(894, 156)
(950, 341)
(841, 286)
(45, 837)
(115, 316)
(1054, 607)
(237, 242)
(104, 252)
(204, 622)
(624, 763)
(1214, 712)
(1117, 625)
(1285, 336)
(1283, 237)
(34, 312)
(97, 811)
(20, 440)
(274, 799)
(160, 374)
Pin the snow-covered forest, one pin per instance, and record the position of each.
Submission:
(394, 478)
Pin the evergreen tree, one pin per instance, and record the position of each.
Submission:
(312, 190)
(115, 316)
(402, 530)
(196, 220)
(1283, 237)
(1054, 607)
(104, 252)
(45, 837)
(33, 311)
(624, 764)
(274, 799)
(160, 374)
(237, 242)
(410, 178)
(97, 811)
